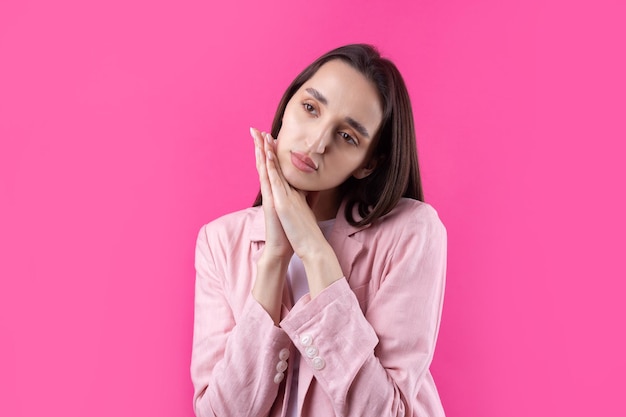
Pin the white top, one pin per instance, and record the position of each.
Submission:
(299, 286)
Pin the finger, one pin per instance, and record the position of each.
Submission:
(270, 143)
(260, 158)
(259, 142)
(257, 146)
(261, 164)
(277, 182)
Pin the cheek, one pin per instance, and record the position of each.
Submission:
(283, 145)
(289, 131)
(290, 121)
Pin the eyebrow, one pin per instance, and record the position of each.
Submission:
(353, 123)
(317, 95)
(358, 127)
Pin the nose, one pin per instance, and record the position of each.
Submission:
(318, 140)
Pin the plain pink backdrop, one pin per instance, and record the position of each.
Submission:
(124, 128)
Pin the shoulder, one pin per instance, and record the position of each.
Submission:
(411, 214)
(411, 222)
(238, 223)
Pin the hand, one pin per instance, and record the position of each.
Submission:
(293, 207)
(290, 223)
(277, 246)
(277, 252)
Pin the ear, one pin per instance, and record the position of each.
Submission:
(365, 170)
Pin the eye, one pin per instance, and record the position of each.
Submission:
(349, 139)
(309, 108)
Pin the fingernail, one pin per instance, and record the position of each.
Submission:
(270, 156)
(268, 138)
(252, 132)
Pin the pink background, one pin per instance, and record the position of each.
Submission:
(124, 128)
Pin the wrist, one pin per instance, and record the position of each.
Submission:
(268, 285)
(316, 252)
(268, 262)
(322, 269)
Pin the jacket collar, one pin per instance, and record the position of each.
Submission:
(257, 229)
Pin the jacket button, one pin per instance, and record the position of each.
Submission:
(281, 367)
(306, 340)
(310, 352)
(318, 363)
(279, 377)
(284, 354)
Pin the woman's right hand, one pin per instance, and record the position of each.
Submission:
(274, 260)
(277, 246)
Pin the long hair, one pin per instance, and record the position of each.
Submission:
(397, 172)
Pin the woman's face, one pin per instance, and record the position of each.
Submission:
(328, 127)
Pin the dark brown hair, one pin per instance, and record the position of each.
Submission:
(397, 172)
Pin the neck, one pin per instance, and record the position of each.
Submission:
(326, 204)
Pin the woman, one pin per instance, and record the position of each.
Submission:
(324, 299)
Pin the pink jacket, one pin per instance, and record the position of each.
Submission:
(366, 341)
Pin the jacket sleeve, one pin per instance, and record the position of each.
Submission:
(374, 364)
(234, 357)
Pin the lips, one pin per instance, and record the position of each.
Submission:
(303, 162)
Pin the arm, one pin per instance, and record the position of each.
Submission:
(274, 261)
(234, 361)
(375, 364)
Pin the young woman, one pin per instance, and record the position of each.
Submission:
(324, 299)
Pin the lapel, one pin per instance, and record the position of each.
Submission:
(257, 230)
(342, 240)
